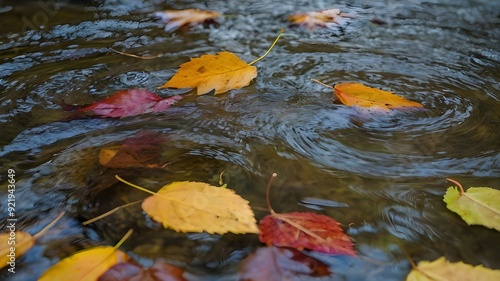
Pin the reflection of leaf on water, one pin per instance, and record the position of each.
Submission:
(131, 270)
(274, 263)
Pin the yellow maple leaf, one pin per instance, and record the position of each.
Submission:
(441, 269)
(220, 72)
(187, 206)
(88, 264)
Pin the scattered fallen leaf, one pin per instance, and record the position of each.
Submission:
(130, 102)
(196, 206)
(355, 94)
(479, 205)
(132, 271)
(13, 245)
(141, 150)
(176, 19)
(315, 19)
(88, 264)
(441, 269)
(17, 243)
(304, 230)
(220, 72)
(273, 263)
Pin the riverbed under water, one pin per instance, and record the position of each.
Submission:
(383, 176)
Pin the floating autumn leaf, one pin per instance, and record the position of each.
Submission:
(221, 72)
(196, 206)
(441, 269)
(355, 94)
(273, 263)
(15, 244)
(130, 102)
(479, 205)
(141, 150)
(315, 19)
(132, 271)
(176, 19)
(304, 230)
(88, 264)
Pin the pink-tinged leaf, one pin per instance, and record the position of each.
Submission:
(141, 150)
(304, 230)
(132, 271)
(130, 102)
(273, 263)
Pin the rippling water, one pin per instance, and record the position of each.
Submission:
(381, 175)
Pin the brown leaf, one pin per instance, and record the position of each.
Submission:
(132, 271)
(273, 263)
(176, 19)
(141, 150)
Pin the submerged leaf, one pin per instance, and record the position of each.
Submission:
(141, 150)
(132, 271)
(355, 94)
(88, 264)
(221, 72)
(304, 230)
(479, 205)
(315, 19)
(195, 207)
(273, 263)
(441, 269)
(176, 19)
(130, 102)
(13, 245)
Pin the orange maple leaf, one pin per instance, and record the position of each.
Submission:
(220, 72)
(314, 19)
(176, 19)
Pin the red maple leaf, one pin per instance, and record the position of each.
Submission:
(272, 263)
(304, 230)
(130, 102)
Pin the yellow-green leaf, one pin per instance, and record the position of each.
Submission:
(85, 265)
(195, 207)
(441, 269)
(479, 205)
(221, 72)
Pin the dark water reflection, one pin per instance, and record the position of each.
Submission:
(382, 176)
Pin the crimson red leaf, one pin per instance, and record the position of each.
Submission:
(130, 102)
(304, 230)
(141, 150)
(132, 271)
(272, 263)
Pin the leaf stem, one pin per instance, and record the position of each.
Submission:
(268, 50)
(41, 232)
(321, 83)
(110, 212)
(462, 192)
(268, 188)
(134, 56)
(133, 185)
(125, 237)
